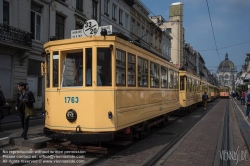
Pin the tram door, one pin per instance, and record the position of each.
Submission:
(33, 84)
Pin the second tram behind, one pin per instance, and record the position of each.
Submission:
(224, 91)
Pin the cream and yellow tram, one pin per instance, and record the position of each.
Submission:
(189, 91)
(96, 86)
(224, 91)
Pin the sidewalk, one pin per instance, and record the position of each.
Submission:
(13, 118)
(202, 146)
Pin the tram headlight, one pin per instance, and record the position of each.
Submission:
(110, 115)
(71, 115)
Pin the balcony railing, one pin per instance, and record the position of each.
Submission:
(14, 35)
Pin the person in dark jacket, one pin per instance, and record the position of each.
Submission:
(204, 100)
(24, 99)
(2, 102)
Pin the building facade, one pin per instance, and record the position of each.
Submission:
(26, 25)
(227, 73)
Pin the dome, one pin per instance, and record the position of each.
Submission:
(226, 64)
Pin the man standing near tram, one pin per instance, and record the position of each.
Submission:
(204, 100)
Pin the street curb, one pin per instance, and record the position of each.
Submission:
(242, 123)
(34, 144)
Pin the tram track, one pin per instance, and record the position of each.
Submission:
(103, 158)
(173, 141)
(155, 158)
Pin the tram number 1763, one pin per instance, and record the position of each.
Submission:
(71, 99)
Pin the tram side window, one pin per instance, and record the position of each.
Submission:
(175, 80)
(171, 79)
(104, 67)
(164, 77)
(72, 69)
(48, 70)
(182, 83)
(120, 67)
(142, 72)
(131, 69)
(154, 74)
(88, 56)
(55, 68)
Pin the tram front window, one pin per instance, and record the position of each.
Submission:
(72, 70)
(104, 67)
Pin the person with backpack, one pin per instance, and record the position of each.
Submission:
(2, 102)
(204, 100)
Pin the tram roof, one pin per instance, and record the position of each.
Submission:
(100, 38)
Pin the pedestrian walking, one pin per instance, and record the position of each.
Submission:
(243, 95)
(2, 102)
(204, 100)
(248, 105)
(24, 99)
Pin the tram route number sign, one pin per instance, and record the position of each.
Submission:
(79, 33)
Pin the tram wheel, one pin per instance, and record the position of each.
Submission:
(165, 120)
(145, 131)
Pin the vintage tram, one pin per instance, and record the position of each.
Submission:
(97, 86)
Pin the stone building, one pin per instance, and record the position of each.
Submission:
(26, 25)
(227, 73)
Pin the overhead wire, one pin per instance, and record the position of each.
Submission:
(213, 30)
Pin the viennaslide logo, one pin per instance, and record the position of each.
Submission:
(233, 155)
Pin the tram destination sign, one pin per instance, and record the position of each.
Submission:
(79, 33)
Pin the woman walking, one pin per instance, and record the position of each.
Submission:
(24, 99)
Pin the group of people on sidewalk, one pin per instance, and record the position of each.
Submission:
(245, 100)
(24, 104)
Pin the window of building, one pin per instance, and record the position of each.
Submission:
(94, 9)
(131, 70)
(133, 26)
(106, 7)
(120, 17)
(114, 12)
(164, 77)
(154, 74)
(79, 5)
(138, 29)
(78, 26)
(142, 72)
(60, 26)
(6, 12)
(169, 30)
(120, 67)
(126, 20)
(142, 32)
(146, 37)
(35, 24)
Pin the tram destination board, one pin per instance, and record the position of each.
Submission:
(79, 32)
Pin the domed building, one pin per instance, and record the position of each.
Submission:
(227, 73)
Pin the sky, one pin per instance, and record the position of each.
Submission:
(229, 32)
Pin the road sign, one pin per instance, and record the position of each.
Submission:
(90, 28)
(108, 28)
(77, 33)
